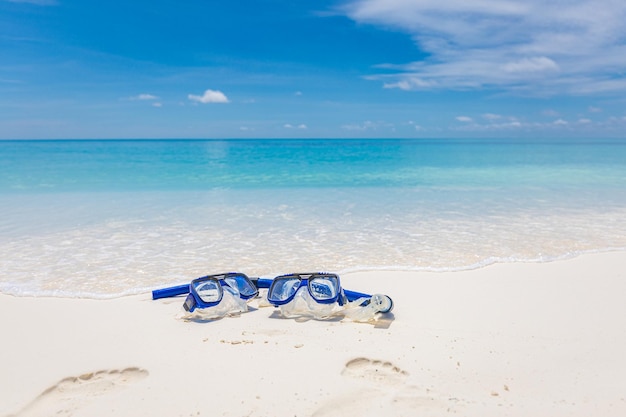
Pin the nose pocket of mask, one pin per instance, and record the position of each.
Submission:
(230, 304)
(303, 305)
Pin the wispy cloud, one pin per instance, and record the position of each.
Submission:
(368, 125)
(491, 116)
(491, 122)
(415, 125)
(550, 113)
(528, 46)
(144, 96)
(37, 2)
(290, 126)
(8, 81)
(209, 96)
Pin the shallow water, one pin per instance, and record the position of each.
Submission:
(107, 218)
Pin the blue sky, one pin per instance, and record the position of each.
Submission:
(312, 69)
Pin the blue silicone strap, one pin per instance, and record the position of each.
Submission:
(353, 295)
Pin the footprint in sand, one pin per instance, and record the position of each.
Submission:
(72, 393)
(374, 370)
(382, 390)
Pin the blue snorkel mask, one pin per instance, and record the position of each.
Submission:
(213, 296)
(320, 295)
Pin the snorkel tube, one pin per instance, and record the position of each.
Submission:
(171, 291)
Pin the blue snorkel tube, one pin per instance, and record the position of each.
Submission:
(170, 292)
(384, 303)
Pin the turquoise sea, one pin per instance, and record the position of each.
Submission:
(105, 218)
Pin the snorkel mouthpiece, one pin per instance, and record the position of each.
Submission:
(381, 303)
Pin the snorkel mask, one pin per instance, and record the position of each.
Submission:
(319, 295)
(306, 294)
(213, 296)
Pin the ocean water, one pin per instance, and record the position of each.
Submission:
(106, 218)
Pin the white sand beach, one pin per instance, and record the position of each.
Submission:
(523, 339)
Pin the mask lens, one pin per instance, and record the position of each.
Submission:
(324, 288)
(209, 291)
(283, 289)
(241, 282)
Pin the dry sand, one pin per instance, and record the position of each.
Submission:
(543, 339)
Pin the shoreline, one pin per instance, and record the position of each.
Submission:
(515, 339)
(385, 270)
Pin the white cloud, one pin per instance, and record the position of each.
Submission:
(464, 119)
(593, 109)
(369, 125)
(290, 126)
(37, 2)
(560, 122)
(492, 116)
(512, 125)
(209, 96)
(526, 46)
(584, 121)
(536, 64)
(143, 96)
(415, 125)
(410, 83)
(157, 104)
